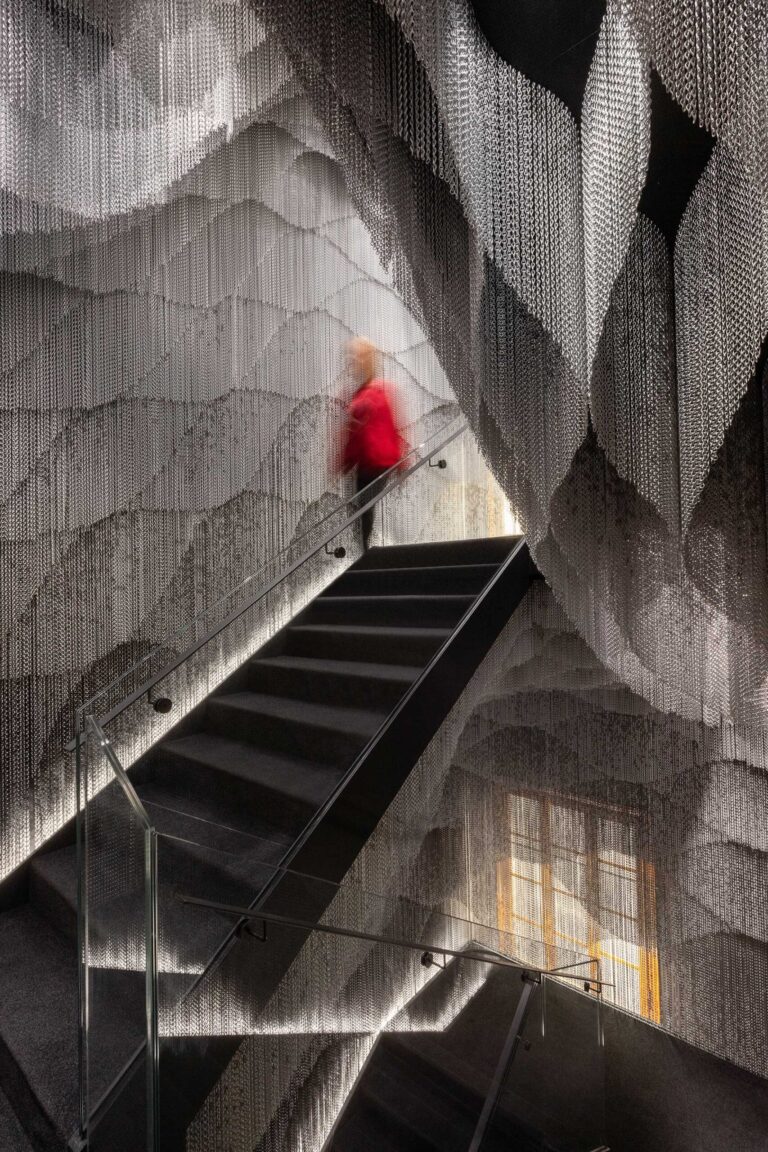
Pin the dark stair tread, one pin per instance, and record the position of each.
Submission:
(39, 1013)
(188, 815)
(225, 852)
(453, 579)
(333, 717)
(435, 1055)
(438, 1060)
(182, 865)
(488, 567)
(306, 780)
(371, 1128)
(55, 872)
(385, 644)
(359, 669)
(390, 610)
(421, 1106)
(434, 1071)
(12, 1136)
(422, 1081)
(372, 631)
(438, 553)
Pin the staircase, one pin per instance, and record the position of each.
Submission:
(425, 1091)
(12, 1135)
(252, 777)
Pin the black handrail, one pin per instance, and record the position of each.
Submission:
(264, 590)
(481, 955)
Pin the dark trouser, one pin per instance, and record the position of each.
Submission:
(374, 478)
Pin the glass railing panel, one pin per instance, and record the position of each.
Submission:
(324, 1026)
(280, 1011)
(115, 938)
(269, 1022)
(552, 1086)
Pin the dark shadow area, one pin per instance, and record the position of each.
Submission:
(680, 152)
(551, 41)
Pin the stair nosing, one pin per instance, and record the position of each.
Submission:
(310, 718)
(377, 628)
(398, 596)
(351, 668)
(422, 568)
(269, 753)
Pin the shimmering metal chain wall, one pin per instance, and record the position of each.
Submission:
(181, 264)
(591, 277)
(641, 864)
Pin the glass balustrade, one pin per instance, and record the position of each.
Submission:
(146, 957)
(293, 1012)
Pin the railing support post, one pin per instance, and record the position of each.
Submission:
(152, 1007)
(82, 926)
(507, 1056)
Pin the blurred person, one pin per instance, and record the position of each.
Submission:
(373, 443)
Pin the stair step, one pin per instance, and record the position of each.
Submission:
(13, 1138)
(448, 578)
(331, 733)
(482, 551)
(355, 642)
(370, 1128)
(279, 789)
(349, 682)
(189, 936)
(397, 610)
(429, 1101)
(39, 1027)
(197, 855)
(53, 888)
(204, 818)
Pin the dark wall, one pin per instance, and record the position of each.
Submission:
(655, 1093)
(666, 1096)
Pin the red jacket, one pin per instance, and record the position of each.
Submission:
(373, 442)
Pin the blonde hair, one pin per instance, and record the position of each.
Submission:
(364, 358)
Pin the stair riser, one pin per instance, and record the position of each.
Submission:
(61, 910)
(415, 650)
(38, 1125)
(212, 875)
(327, 688)
(111, 928)
(375, 1129)
(438, 613)
(413, 581)
(287, 814)
(436, 1104)
(304, 741)
(484, 551)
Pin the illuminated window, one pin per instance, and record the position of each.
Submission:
(573, 879)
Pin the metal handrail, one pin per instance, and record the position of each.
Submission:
(120, 773)
(482, 955)
(147, 686)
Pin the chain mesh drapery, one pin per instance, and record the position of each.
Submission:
(196, 196)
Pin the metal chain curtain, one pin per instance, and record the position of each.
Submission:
(613, 373)
(550, 783)
(181, 263)
(614, 370)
